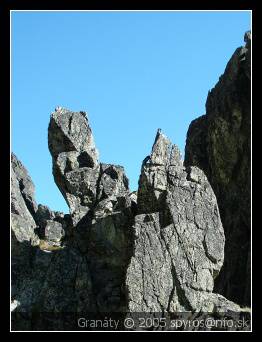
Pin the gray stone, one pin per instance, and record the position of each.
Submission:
(158, 249)
(54, 231)
(45, 214)
(22, 201)
(100, 205)
(179, 242)
(75, 160)
(23, 236)
(219, 144)
(25, 184)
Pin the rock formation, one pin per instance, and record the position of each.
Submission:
(158, 250)
(78, 261)
(100, 205)
(179, 240)
(75, 160)
(39, 272)
(219, 144)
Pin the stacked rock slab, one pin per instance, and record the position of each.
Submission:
(75, 160)
(220, 144)
(179, 241)
(100, 205)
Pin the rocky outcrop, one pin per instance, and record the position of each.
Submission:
(219, 144)
(75, 160)
(45, 217)
(35, 262)
(157, 250)
(78, 261)
(23, 226)
(179, 240)
(26, 187)
(100, 205)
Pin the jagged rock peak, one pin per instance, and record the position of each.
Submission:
(161, 149)
(70, 131)
(163, 152)
(164, 159)
(86, 184)
(247, 36)
(179, 240)
(219, 143)
(75, 159)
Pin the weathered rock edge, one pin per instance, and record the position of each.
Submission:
(219, 143)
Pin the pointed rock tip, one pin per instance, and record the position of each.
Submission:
(160, 136)
(247, 36)
(163, 151)
(160, 149)
(62, 110)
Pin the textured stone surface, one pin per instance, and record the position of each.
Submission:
(25, 184)
(78, 262)
(31, 263)
(179, 240)
(158, 249)
(99, 201)
(219, 143)
(75, 160)
(44, 215)
(23, 226)
(155, 250)
(54, 231)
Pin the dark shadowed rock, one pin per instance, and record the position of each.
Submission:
(219, 143)
(44, 275)
(23, 236)
(23, 205)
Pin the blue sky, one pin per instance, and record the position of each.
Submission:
(132, 72)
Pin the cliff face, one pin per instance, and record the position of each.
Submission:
(178, 238)
(219, 144)
(157, 250)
